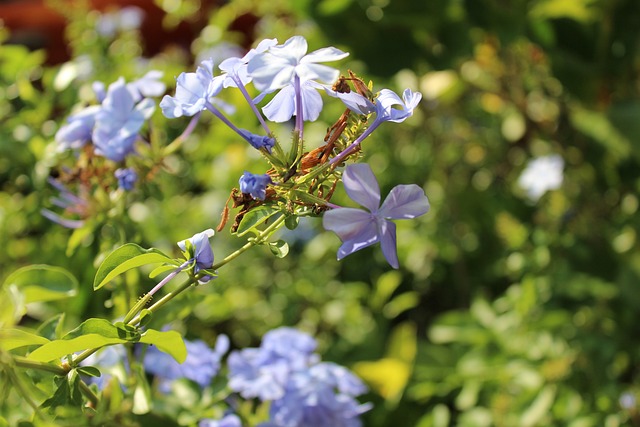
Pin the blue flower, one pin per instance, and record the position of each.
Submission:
(256, 185)
(229, 420)
(193, 92)
(199, 250)
(358, 228)
(234, 70)
(264, 372)
(276, 67)
(126, 178)
(201, 365)
(77, 132)
(119, 121)
(321, 396)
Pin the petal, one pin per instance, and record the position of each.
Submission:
(293, 49)
(282, 106)
(354, 101)
(311, 71)
(404, 202)
(170, 108)
(387, 231)
(325, 54)
(356, 228)
(361, 185)
(311, 103)
(411, 99)
(271, 72)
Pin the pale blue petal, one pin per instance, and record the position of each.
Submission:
(293, 49)
(270, 72)
(146, 107)
(311, 103)
(404, 202)
(325, 54)
(354, 101)
(311, 71)
(361, 185)
(282, 106)
(387, 231)
(356, 228)
(170, 108)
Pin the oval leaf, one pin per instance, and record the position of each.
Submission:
(279, 248)
(40, 283)
(92, 333)
(169, 342)
(125, 258)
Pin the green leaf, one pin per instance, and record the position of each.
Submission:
(279, 248)
(125, 258)
(67, 393)
(169, 342)
(40, 283)
(254, 218)
(16, 338)
(78, 236)
(145, 317)
(91, 371)
(93, 333)
(291, 222)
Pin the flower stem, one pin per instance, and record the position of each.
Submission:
(256, 241)
(251, 104)
(226, 121)
(23, 362)
(351, 148)
(176, 143)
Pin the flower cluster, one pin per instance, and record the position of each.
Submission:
(302, 390)
(114, 125)
(302, 183)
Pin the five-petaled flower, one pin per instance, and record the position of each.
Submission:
(119, 121)
(358, 228)
(193, 92)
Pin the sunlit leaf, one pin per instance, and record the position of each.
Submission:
(123, 259)
(254, 218)
(170, 342)
(16, 338)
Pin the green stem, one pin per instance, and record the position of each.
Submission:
(258, 240)
(84, 388)
(23, 362)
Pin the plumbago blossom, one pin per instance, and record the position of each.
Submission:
(358, 228)
(541, 175)
(302, 390)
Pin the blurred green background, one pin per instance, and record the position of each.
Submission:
(505, 312)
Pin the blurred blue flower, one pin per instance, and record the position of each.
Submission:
(199, 250)
(148, 85)
(71, 203)
(265, 371)
(201, 365)
(541, 175)
(127, 178)
(229, 420)
(125, 19)
(278, 65)
(256, 185)
(77, 132)
(358, 228)
(193, 92)
(119, 121)
(320, 396)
